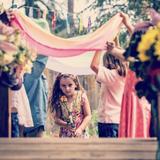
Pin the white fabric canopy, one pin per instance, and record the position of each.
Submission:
(79, 65)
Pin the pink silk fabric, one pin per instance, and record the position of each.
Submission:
(135, 112)
(51, 45)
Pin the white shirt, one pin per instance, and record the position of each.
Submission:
(112, 87)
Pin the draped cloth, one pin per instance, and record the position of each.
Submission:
(52, 45)
(78, 65)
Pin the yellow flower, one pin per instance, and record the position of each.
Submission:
(63, 99)
(143, 57)
(6, 59)
(21, 58)
(157, 48)
(17, 40)
(147, 40)
(28, 66)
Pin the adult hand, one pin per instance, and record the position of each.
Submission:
(155, 16)
(10, 14)
(142, 26)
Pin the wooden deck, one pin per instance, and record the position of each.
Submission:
(77, 149)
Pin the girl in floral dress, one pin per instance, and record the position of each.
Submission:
(70, 106)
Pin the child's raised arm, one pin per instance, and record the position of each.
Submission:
(126, 21)
(115, 50)
(96, 61)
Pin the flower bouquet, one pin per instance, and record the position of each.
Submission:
(15, 56)
(69, 120)
(145, 49)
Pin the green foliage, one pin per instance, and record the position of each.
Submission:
(92, 129)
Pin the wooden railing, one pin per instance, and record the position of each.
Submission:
(77, 149)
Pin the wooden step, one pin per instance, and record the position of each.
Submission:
(77, 149)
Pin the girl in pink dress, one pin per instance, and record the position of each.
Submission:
(135, 112)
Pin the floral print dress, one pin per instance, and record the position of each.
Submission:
(72, 113)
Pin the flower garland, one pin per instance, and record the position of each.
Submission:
(63, 100)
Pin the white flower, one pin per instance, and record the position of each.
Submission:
(6, 59)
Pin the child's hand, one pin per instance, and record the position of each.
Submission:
(10, 14)
(78, 132)
(126, 21)
(110, 46)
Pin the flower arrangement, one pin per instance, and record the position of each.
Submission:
(149, 46)
(14, 52)
(144, 47)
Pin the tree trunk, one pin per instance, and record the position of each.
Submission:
(70, 15)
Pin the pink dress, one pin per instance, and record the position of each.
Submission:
(135, 112)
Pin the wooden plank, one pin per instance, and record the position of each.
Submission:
(4, 112)
(78, 140)
(77, 149)
(62, 147)
(78, 155)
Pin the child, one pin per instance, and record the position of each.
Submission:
(112, 79)
(71, 106)
(20, 112)
(135, 112)
(20, 109)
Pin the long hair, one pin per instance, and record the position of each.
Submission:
(112, 62)
(57, 92)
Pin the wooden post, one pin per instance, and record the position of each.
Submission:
(4, 112)
(158, 119)
(9, 113)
